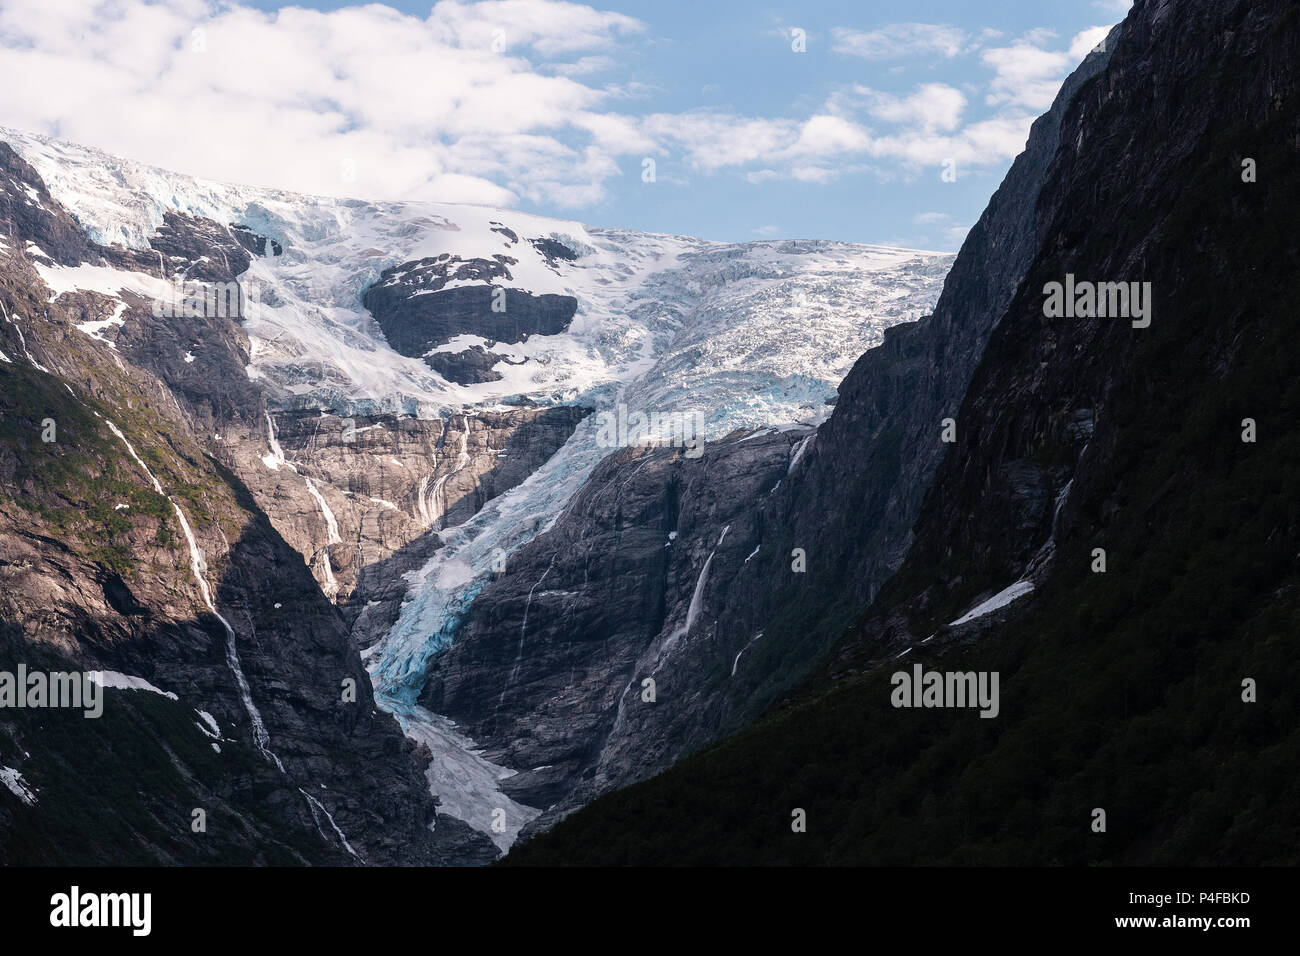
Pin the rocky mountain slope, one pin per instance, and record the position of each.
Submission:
(587, 662)
(127, 547)
(296, 433)
(1112, 531)
(764, 568)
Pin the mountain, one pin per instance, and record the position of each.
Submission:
(686, 574)
(1111, 531)
(263, 451)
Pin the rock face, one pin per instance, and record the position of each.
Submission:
(1106, 532)
(421, 305)
(128, 544)
(548, 671)
(851, 501)
(351, 491)
(348, 493)
(474, 364)
(258, 245)
(380, 471)
(27, 210)
(96, 576)
(1039, 462)
(818, 521)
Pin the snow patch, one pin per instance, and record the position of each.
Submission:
(466, 784)
(14, 781)
(121, 681)
(999, 600)
(209, 725)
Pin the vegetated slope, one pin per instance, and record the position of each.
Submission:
(1123, 690)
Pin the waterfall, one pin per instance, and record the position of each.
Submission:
(519, 655)
(260, 736)
(331, 525)
(315, 805)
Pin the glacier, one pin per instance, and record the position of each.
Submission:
(737, 335)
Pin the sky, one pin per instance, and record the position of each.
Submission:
(880, 121)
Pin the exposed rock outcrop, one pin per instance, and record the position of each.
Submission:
(1111, 533)
(810, 545)
(421, 305)
(548, 672)
(349, 492)
(126, 545)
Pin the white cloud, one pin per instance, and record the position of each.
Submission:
(933, 106)
(899, 40)
(1038, 36)
(1085, 42)
(811, 150)
(1029, 76)
(955, 235)
(1025, 75)
(597, 63)
(551, 27)
(815, 174)
(421, 108)
(493, 102)
(825, 135)
(714, 140)
(987, 142)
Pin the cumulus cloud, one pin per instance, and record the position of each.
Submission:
(811, 150)
(929, 125)
(1027, 75)
(933, 106)
(477, 102)
(551, 27)
(496, 102)
(713, 140)
(1087, 41)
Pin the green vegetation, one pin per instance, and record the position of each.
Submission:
(71, 486)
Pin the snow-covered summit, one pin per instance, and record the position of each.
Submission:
(753, 332)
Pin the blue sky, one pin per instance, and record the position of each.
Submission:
(558, 108)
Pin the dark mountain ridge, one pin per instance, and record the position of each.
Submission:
(1157, 690)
